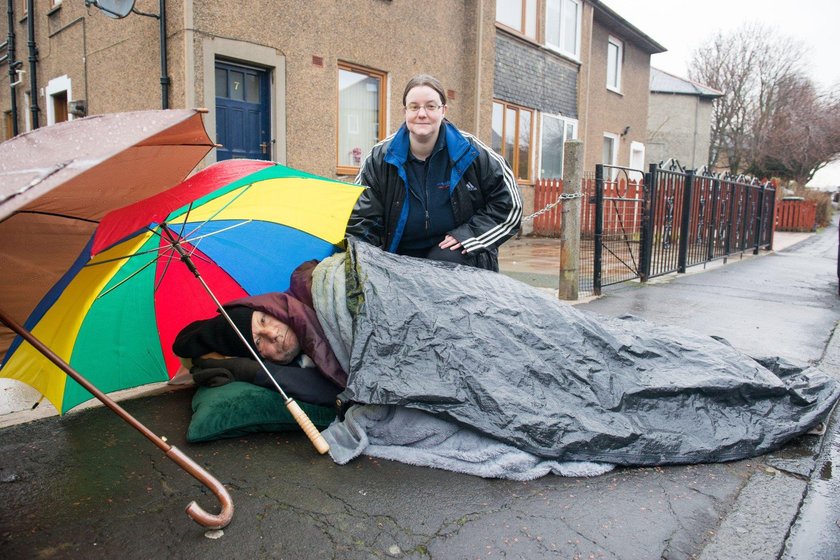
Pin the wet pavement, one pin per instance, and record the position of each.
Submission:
(88, 485)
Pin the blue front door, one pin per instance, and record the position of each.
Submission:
(242, 112)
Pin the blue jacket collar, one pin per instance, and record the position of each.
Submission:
(456, 145)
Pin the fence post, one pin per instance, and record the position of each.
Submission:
(730, 220)
(570, 226)
(599, 229)
(771, 215)
(759, 226)
(646, 241)
(685, 222)
(714, 228)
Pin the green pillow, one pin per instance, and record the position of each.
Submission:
(240, 408)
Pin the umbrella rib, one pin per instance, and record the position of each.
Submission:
(123, 257)
(155, 250)
(165, 268)
(245, 189)
(192, 240)
(58, 215)
(127, 278)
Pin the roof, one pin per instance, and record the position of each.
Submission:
(663, 82)
(611, 18)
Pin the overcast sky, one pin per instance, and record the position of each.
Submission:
(681, 26)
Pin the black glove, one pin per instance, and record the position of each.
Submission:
(210, 377)
(241, 369)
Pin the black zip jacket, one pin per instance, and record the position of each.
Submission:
(486, 200)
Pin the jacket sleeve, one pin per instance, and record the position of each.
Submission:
(367, 221)
(501, 216)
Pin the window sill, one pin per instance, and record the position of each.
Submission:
(567, 55)
(347, 170)
(517, 35)
(54, 10)
(615, 91)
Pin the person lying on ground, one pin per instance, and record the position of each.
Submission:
(483, 351)
(282, 329)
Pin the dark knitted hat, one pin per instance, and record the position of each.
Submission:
(216, 335)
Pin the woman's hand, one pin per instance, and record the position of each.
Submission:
(451, 243)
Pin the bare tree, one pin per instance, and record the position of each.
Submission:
(770, 117)
(801, 133)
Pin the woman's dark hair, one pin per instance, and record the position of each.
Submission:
(425, 80)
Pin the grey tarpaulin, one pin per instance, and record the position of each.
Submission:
(491, 353)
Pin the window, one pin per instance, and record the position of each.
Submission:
(562, 26)
(512, 133)
(519, 15)
(556, 130)
(615, 54)
(361, 110)
(610, 155)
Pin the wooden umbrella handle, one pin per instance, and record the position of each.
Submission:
(199, 515)
(321, 445)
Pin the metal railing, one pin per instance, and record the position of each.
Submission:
(668, 221)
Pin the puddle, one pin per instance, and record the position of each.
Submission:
(815, 533)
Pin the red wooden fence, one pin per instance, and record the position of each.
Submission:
(619, 215)
(796, 215)
(546, 192)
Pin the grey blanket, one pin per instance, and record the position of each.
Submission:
(418, 438)
(481, 350)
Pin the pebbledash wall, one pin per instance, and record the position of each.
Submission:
(114, 65)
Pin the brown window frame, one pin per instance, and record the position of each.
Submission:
(514, 161)
(522, 31)
(382, 107)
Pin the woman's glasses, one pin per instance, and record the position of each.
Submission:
(429, 107)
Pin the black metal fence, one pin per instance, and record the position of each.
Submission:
(669, 219)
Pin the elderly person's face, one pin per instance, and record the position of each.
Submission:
(274, 340)
(423, 112)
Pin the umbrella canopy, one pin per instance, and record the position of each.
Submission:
(115, 313)
(57, 182)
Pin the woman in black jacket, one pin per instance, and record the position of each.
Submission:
(433, 191)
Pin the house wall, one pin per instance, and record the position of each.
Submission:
(115, 64)
(679, 127)
(376, 34)
(603, 110)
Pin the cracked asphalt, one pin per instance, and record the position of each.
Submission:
(87, 485)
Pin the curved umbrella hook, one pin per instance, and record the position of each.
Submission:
(193, 509)
(182, 460)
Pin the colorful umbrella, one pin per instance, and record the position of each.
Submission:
(114, 315)
(58, 181)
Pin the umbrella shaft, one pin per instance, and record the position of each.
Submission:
(76, 376)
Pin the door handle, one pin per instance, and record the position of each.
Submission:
(264, 147)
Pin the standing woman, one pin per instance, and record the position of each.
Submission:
(433, 191)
